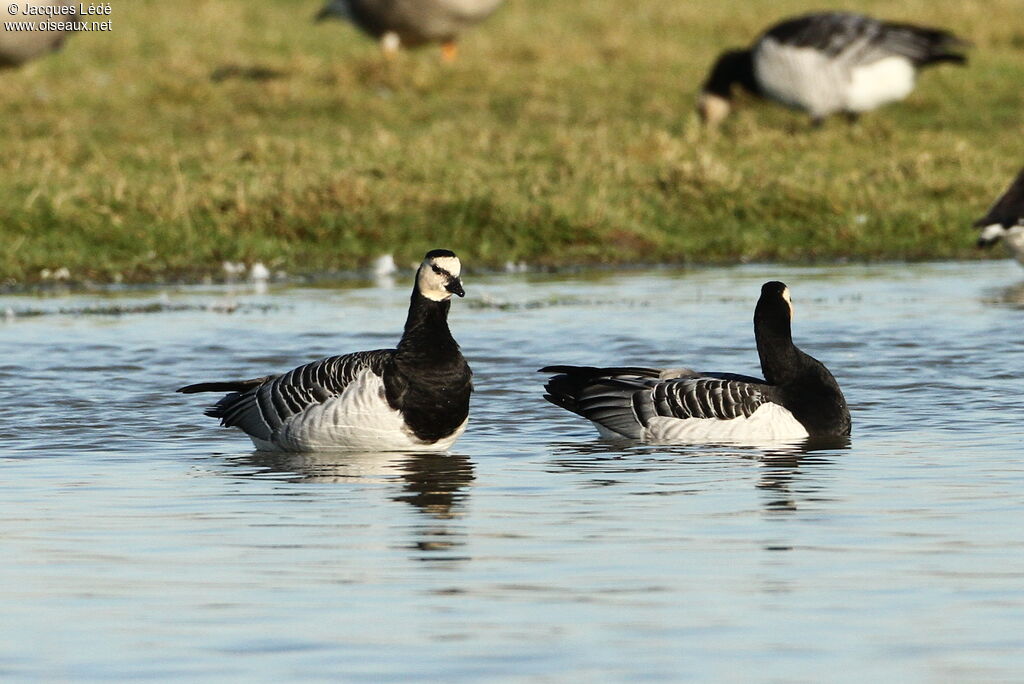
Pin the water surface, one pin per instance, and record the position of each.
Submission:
(142, 541)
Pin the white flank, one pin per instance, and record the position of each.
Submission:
(360, 419)
(807, 79)
(605, 433)
(882, 82)
(471, 9)
(802, 78)
(769, 422)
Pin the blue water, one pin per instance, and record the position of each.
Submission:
(141, 541)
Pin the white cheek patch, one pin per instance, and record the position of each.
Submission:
(450, 264)
(992, 232)
(789, 301)
(431, 284)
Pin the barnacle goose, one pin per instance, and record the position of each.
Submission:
(411, 398)
(798, 398)
(18, 47)
(1005, 220)
(828, 62)
(411, 23)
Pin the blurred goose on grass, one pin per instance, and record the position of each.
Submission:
(798, 398)
(1005, 220)
(18, 47)
(827, 63)
(411, 23)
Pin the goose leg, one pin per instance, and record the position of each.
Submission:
(449, 51)
(389, 44)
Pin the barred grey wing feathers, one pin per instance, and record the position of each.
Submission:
(262, 410)
(859, 39)
(626, 405)
(708, 398)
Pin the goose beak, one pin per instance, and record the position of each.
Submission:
(455, 287)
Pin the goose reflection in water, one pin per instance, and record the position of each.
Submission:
(781, 465)
(435, 484)
(1011, 296)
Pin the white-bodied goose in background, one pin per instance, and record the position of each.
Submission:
(798, 397)
(410, 23)
(1005, 220)
(411, 398)
(828, 62)
(18, 47)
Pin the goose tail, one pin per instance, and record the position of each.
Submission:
(606, 401)
(228, 386)
(943, 47)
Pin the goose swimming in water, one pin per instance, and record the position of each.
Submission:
(798, 397)
(828, 62)
(411, 398)
(1005, 220)
(410, 23)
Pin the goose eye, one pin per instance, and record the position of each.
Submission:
(436, 268)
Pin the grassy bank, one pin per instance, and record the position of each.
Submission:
(237, 130)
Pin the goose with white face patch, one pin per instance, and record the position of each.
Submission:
(826, 63)
(411, 23)
(1005, 220)
(411, 398)
(798, 397)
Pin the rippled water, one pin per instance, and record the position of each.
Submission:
(142, 541)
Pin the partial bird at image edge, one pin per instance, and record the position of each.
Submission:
(412, 23)
(1005, 220)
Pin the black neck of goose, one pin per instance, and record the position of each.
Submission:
(735, 67)
(427, 325)
(780, 359)
(366, 19)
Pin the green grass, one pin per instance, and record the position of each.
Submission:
(565, 134)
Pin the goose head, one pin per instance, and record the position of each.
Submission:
(774, 311)
(438, 276)
(732, 68)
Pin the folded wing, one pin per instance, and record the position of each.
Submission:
(261, 406)
(625, 400)
(858, 39)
